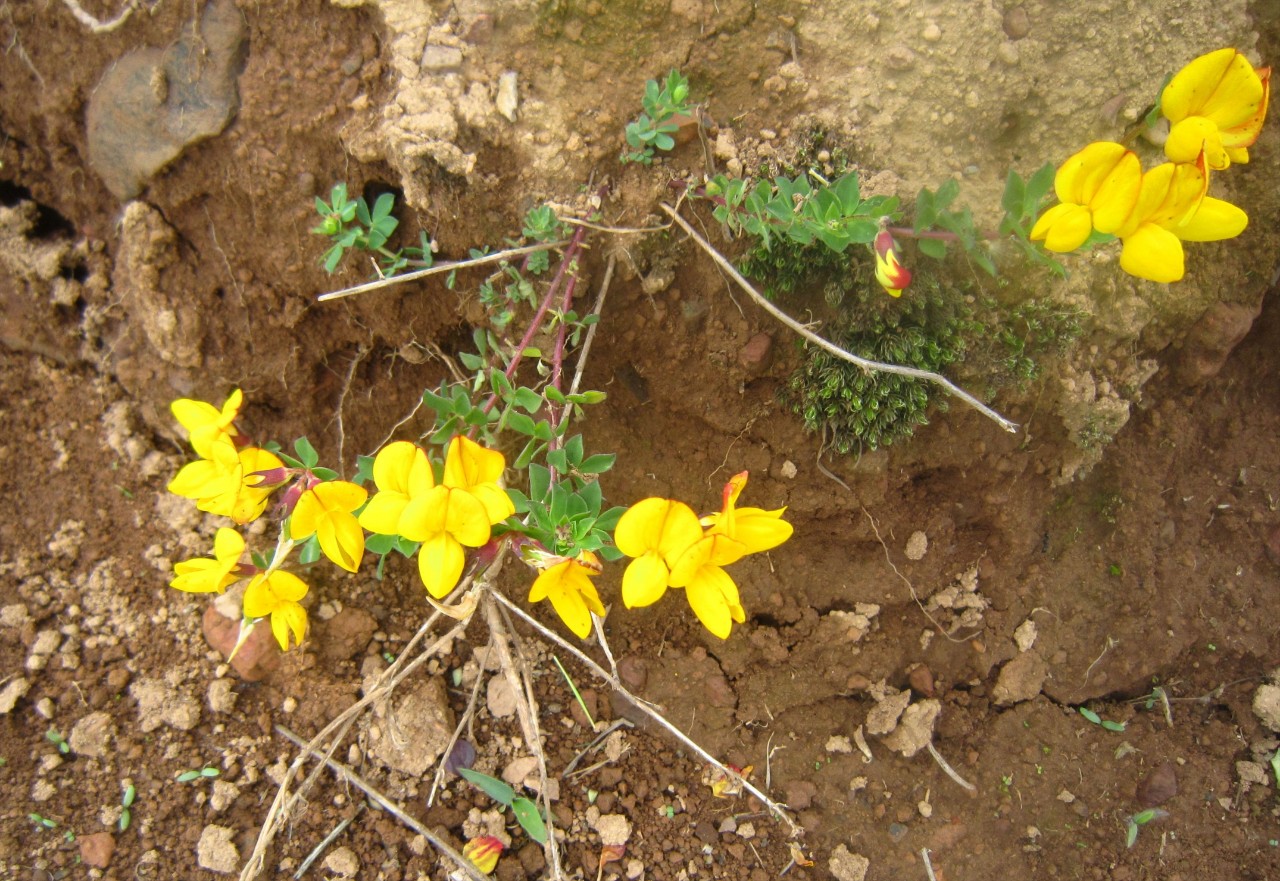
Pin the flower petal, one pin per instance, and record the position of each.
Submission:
(495, 501)
(714, 599)
(342, 540)
(440, 563)
(468, 464)
(761, 530)
(1191, 87)
(1063, 228)
(306, 516)
(227, 545)
(1153, 253)
(645, 580)
(466, 519)
(657, 524)
(400, 465)
(382, 514)
(1215, 220)
(1193, 134)
(713, 550)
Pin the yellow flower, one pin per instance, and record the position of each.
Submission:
(890, 272)
(277, 595)
(655, 532)
(226, 482)
(483, 852)
(670, 549)
(1096, 190)
(568, 585)
(445, 518)
(1172, 208)
(205, 423)
(205, 575)
(1217, 104)
(325, 509)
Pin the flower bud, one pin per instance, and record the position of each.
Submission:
(890, 272)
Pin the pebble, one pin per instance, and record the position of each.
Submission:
(1017, 24)
(917, 546)
(343, 862)
(13, 691)
(92, 735)
(932, 33)
(508, 97)
(217, 851)
(96, 849)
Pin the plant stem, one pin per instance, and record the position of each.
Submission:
(907, 232)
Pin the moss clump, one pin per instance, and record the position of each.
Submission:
(930, 329)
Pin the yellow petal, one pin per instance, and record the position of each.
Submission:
(287, 587)
(342, 540)
(495, 501)
(761, 530)
(1063, 227)
(561, 584)
(1117, 194)
(201, 575)
(1077, 180)
(468, 464)
(423, 516)
(227, 545)
(1191, 87)
(466, 519)
(644, 581)
(258, 601)
(341, 495)
(1239, 95)
(382, 514)
(402, 467)
(305, 517)
(657, 524)
(1215, 220)
(713, 550)
(1153, 253)
(1188, 137)
(714, 599)
(289, 617)
(203, 479)
(440, 563)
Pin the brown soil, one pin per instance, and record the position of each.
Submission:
(1156, 567)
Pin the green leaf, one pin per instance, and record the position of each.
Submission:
(188, 776)
(597, 463)
(527, 399)
(539, 482)
(1142, 818)
(847, 191)
(1131, 834)
(935, 248)
(1091, 715)
(519, 423)
(1113, 726)
(531, 449)
(310, 550)
(332, 258)
(527, 814)
(490, 786)
(543, 431)
(324, 473)
(558, 459)
(591, 497)
(573, 450)
(380, 544)
(307, 454)
(1038, 187)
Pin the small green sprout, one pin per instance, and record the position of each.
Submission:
(577, 696)
(206, 771)
(126, 802)
(1098, 720)
(652, 129)
(54, 737)
(525, 811)
(370, 230)
(1275, 766)
(1138, 820)
(42, 822)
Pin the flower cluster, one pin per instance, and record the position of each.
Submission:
(1216, 106)
(227, 479)
(671, 547)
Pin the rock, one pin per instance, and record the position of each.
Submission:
(258, 657)
(1017, 24)
(518, 769)
(12, 692)
(508, 97)
(222, 696)
(343, 862)
(756, 355)
(415, 727)
(1266, 705)
(884, 715)
(1020, 679)
(500, 697)
(216, 850)
(1160, 785)
(14, 616)
(915, 728)
(441, 58)
(1211, 340)
(224, 793)
(347, 633)
(161, 704)
(1025, 636)
(917, 546)
(633, 672)
(96, 849)
(92, 735)
(153, 103)
(846, 866)
(799, 794)
(1251, 773)
(921, 680)
(613, 829)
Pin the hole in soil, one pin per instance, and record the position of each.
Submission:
(49, 222)
(375, 188)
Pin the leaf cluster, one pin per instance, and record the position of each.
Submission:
(834, 214)
(564, 502)
(653, 128)
(355, 225)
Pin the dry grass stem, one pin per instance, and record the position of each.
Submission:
(438, 268)
(98, 26)
(951, 772)
(831, 347)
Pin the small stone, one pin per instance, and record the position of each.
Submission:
(613, 829)
(1008, 54)
(899, 58)
(15, 616)
(222, 696)
(915, 728)
(635, 870)
(838, 743)
(1025, 636)
(441, 58)
(13, 691)
(634, 672)
(846, 866)
(508, 97)
(1020, 679)
(755, 356)
(501, 699)
(883, 717)
(925, 809)
(47, 642)
(343, 862)
(347, 634)
(788, 470)
(1266, 705)
(96, 849)
(1066, 797)
(921, 680)
(932, 33)
(217, 851)
(1160, 785)
(746, 830)
(257, 658)
(917, 546)
(223, 795)
(799, 794)
(1017, 24)
(1251, 773)
(92, 735)
(289, 705)
(423, 722)
(161, 704)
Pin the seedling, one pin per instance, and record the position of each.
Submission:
(577, 696)
(1098, 720)
(206, 771)
(126, 802)
(525, 811)
(1275, 766)
(42, 822)
(652, 129)
(58, 740)
(1137, 821)
(369, 230)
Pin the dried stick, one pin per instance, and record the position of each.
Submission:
(328, 839)
(438, 268)
(951, 772)
(831, 347)
(96, 25)
(386, 804)
(928, 864)
(646, 708)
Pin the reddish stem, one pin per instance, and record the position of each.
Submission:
(907, 232)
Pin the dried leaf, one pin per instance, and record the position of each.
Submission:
(611, 853)
(798, 855)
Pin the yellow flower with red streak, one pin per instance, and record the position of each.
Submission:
(483, 852)
(670, 549)
(276, 595)
(457, 513)
(567, 584)
(890, 272)
(1097, 189)
(1216, 104)
(325, 510)
(205, 575)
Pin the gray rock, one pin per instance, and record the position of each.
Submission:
(846, 866)
(160, 704)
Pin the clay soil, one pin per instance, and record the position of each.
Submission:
(1160, 567)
